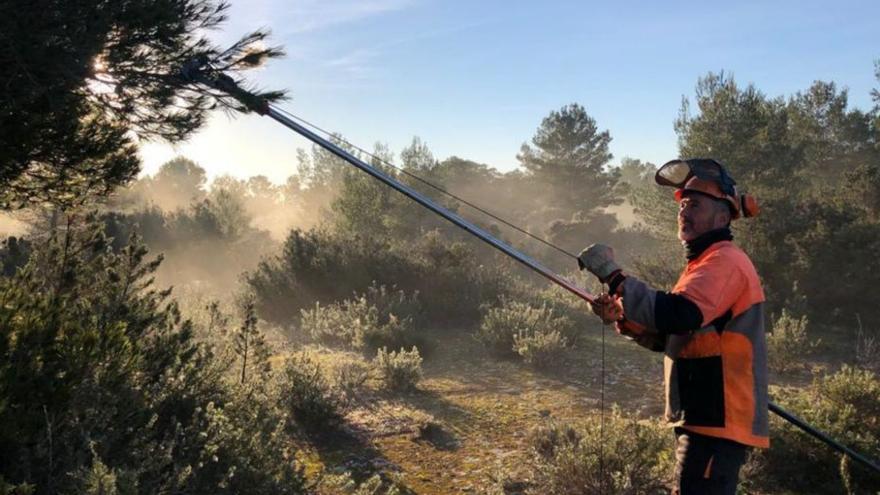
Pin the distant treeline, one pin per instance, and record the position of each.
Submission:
(813, 163)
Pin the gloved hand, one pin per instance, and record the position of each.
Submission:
(608, 307)
(599, 260)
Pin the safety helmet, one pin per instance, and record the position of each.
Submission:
(706, 176)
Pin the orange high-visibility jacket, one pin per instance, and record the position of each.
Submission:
(716, 376)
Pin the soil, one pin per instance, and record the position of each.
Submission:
(465, 429)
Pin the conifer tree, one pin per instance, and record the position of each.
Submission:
(567, 170)
(83, 81)
(571, 155)
(250, 344)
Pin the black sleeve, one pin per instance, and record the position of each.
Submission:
(676, 314)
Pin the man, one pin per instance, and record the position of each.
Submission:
(710, 327)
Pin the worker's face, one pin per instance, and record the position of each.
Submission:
(698, 214)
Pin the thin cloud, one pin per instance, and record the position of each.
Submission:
(315, 15)
(357, 64)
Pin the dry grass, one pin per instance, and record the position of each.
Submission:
(467, 425)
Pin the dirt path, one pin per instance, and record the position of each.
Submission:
(469, 422)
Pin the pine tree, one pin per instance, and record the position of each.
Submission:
(571, 156)
(250, 344)
(569, 180)
(104, 386)
(82, 80)
(364, 205)
(813, 164)
(743, 129)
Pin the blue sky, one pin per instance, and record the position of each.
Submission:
(474, 79)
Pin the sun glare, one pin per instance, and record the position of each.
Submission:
(101, 81)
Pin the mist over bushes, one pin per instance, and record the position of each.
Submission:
(324, 266)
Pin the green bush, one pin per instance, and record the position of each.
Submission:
(349, 379)
(789, 343)
(454, 282)
(210, 241)
(305, 393)
(396, 333)
(540, 349)
(399, 370)
(320, 265)
(392, 303)
(846, 405)
(569, 305)
(517, 328)
(379, 318)
(628, 457)
(327, 267)
(339, 324)
(867, 349)
(14, 254)
(399, 319)
(103, 385)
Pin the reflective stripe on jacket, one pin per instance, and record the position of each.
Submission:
(716, 377)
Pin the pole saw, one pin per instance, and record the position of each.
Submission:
(199, 71)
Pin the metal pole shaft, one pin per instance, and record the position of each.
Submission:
(430, 204)
(843, 449)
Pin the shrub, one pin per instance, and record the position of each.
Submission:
(636, 457)
(339, 324)
(102, 384)
(305, 393)
(329, 266)
(567, 304)
(788, 343)
(398, 318)
(379, 318)
(393, 303)
(320, 265)
(209, 241)
(399, 370)
(846, 405)
(867, 349)
(540, 349)
(349, 378)
(14, 254)
(396, 333)
(453, 279)
(517, 328)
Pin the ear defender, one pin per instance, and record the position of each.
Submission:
(748, 205)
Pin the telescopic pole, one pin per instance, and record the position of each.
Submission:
(843, 449)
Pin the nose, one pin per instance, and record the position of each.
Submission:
(683, 212)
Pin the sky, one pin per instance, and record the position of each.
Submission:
(475, 78)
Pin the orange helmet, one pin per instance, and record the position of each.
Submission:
(709, 177)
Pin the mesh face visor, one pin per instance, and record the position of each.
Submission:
(677, 172)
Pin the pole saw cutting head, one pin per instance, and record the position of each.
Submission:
(708, 177)
(200, 70)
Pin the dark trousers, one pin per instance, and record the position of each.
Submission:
(706, 465)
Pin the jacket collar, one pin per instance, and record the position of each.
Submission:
(696, 247)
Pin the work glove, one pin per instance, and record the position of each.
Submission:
(609, 308)
(598, 259)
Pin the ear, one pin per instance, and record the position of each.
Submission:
(723, 216)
